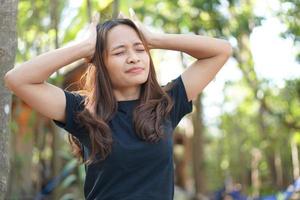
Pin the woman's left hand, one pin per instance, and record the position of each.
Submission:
(149, 36)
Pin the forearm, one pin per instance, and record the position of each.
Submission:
(199, 47)
(39, 69)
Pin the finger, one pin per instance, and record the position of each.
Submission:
(124, 16)
(96, 18)
(121, 15)
(132, 14)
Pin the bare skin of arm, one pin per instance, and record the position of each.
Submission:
(28, 80)
(211, 54)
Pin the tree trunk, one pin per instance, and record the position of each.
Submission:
(198, 155)
(295, 159)
(181, 157)
(279, 171)
(56, 139)
(256, 157)
(243, 179)
(8, 44)
(269, 152)
(115, 11)
(21, 141)
(246, 65)
(89, 10)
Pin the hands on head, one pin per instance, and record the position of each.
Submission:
(92, 32)
(149, 36)
(91, 38)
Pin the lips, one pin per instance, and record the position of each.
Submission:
(135, 70)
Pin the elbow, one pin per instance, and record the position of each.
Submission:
(9, 80)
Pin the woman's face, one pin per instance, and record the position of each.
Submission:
(127, 61)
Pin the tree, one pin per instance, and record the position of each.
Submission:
(8, 44)
(290, 15)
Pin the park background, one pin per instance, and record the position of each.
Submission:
(243, 135)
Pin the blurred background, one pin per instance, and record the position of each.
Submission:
(242, 138)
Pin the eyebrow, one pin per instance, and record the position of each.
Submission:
(122, 46)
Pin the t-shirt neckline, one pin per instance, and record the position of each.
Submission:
(128, 101)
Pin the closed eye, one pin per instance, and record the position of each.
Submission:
(119, 53)
(140, 50)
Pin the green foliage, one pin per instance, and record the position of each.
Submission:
(228, 153)
(290, 15)
(35, 32)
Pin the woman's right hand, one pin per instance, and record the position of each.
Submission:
(91, 38)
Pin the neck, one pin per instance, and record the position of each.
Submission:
(125, 94)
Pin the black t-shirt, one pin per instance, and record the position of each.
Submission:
(135, 169)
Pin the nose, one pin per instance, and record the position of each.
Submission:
(133, 57)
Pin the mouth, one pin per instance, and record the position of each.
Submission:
(135, 70)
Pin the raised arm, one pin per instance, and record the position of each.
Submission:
(28, 80)
(211, 55)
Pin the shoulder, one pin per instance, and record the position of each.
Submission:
(176, 87)
(75, 99)
(182, 106)
(171, 85)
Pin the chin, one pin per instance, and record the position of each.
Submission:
(139, 80)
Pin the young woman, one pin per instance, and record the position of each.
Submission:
(122, 122)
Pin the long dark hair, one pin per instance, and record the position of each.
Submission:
(101, 104)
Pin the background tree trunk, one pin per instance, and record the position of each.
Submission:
(295, 159)
(115, 11)
(198, 154)
(8, 44)
(255, 179)
(56, 139)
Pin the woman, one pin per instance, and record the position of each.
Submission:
(121, 123)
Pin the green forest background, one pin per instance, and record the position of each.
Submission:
(252, 147)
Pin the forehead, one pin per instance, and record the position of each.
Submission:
(121, 34)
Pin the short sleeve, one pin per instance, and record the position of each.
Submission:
(74, 104)
(181, 104)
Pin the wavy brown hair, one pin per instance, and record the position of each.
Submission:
(100, 104)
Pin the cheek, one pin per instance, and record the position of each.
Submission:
(146, 59)
(114, 65)
(116, 71)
